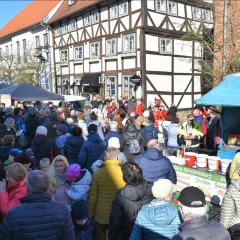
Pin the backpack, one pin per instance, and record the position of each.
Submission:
(134, 146)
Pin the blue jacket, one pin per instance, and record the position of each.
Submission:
(60, 142)
(73, 146)
(148, 133)
(116, 134)
(38, 218)
(155, 166)
(157, 220)
(91, 151)
(85, 232)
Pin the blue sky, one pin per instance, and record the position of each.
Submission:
(8, 9)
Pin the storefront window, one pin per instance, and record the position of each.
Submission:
(128, 87)
(111, 86)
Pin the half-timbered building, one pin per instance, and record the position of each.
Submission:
(130, 48)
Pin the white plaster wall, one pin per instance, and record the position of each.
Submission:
(95, 28)
(197, 84)
(198, 49)
(64, 70)
(181, 82)
(95, 67)
(181, 11)
(158, 63)
(177, 22)
(78, 68)
(182, 65)
(150, 4)
(112, 25)
(134, 18)
(80, 21)
(129, 63)
(57, 55)
(183, 48)
(189, 12)
(86, 66)
(105, 26)
(186, 102)
(152, 43)
(135, 5)
(125, 21)
(156, 17)
(111, 65)
(138, 59)
(104, 13)
(86, 50)
(160, 82)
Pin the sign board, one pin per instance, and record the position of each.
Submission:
(212, 184)
(6, 98)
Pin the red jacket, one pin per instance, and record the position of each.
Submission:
(11, 198)
(139, 109)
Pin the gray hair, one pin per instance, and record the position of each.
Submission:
(113, 125)
(9, 122)
(189, 213)
(37, 182)
(153, 143)
(111, 154)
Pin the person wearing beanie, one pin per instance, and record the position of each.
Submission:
(193, 209)
(25, 159)
(42, 146)
(91, 149)
(83, 224)
(79, 180)
(160, 218)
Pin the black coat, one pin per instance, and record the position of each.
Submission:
(38, 218)
(42, 147)
(31, 127)
(125, 207)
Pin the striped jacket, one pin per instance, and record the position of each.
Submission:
(230, 209)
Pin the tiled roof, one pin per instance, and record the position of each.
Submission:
(32, 14)
(66, 10)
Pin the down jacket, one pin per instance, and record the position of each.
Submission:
(125, 207)
(11, 198)
(80, 189)
(38, 218)
(106, 182)
(230, 208)
(155, 166)
(91, 151)
(157, 220)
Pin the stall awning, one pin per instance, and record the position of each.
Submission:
(91, 79)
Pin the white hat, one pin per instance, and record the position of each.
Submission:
(69, 121)
(146, 114)
(162, 188)
(114, 142)
(41, 130)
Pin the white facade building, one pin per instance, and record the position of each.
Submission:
(100, 47)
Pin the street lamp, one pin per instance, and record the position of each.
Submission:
(43, 59)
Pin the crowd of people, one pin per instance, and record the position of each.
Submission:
(100, 173)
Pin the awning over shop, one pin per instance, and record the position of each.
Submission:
(91, 79)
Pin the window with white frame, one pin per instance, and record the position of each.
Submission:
(72, 25)
(78, 53)
(113, 11)
(45, 39)
(123, 8)
(64, 55)
(95, 16)
(111, 47)
(165, 45)
(64, 27)
(196, 13)
(57, 30)
(207, 16)
(172, 8)
(94, 50)
(129, 44)
(87, 18)
(128, 88)
(161, 5)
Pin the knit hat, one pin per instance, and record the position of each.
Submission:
(14, 152)
(146, 114)
(79, 210)
(162, 188)
(32, 110)
(41, 130)
(114, 142)
(192, 197)
(73, 172)
(62, 129)
(23, 158)
(92, 128)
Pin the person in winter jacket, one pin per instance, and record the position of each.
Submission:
(160, 218)
(192, 206)
(38, 217)
(154, 165)
(13, 188)
(91, 149)
(172, 112)
(62, 134)
(58, 186)
(172, 143)
(94, 120)
(230, 208)
(106, 182)
(80, 181)
(130, 133)
(42, 146)
(8, 142)
(83, 125)
(127, 203)
(73, 145)
(234, 173)
(83, 224)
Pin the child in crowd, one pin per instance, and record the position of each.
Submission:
(44, 164)
(83, 224)
(80, 181)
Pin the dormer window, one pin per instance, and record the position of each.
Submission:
(71, 2)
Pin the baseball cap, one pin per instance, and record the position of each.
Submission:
(190, 117)
(192, 197)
